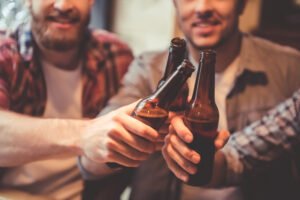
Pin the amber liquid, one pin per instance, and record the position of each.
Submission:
(204, 133)
(154, 118)
(179, 104)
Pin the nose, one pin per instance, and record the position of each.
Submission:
(203, 8)
(63, 5)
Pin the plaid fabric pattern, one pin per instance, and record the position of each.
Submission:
(265, 140)
(22, 84)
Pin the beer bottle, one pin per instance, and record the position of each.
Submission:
(176, 55)
(154, 109)
(202, 117)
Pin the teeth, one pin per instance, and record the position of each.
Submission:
(204, 25)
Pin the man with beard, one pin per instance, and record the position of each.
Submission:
(53, 72)
(252, 75)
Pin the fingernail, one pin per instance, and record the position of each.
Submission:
(195, 159)
(188, 138)
(184, 178)
(192, 170)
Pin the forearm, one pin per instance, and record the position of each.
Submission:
(25, 139)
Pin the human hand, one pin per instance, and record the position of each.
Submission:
(164, 130)
(180, 159)
(118, 138)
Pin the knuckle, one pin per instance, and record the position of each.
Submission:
(186, 154)
(116, 117)
(172, 138)
(111, 145)
(110, 155)
(143, 131)
(106, 155)
(169, 149)
(114, 130)
(184, 165)
(135, 155)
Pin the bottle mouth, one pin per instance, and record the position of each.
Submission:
(178, 42)
(208, 51)
(187, 64)
(208, 55)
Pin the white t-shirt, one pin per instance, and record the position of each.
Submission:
(54, 178)
(224, 83)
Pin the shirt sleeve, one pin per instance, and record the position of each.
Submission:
(139, 82)
(275, 134)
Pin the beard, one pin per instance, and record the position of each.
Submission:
(55, 39)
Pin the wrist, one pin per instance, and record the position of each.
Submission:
(94, 170)
(72, 134)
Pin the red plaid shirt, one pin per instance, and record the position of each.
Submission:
(22, 84)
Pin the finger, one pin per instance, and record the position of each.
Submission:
(125, 150)
(171, 115)
(136, 127)
(132, 140)
(183, 149)
(181, 161)
(161, 138)
(128, 108)
(178, 171)
(115, 157)
(181, 130)
(221, 139)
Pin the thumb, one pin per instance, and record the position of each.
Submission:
(128, 108)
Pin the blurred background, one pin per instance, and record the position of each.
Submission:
(150, 24)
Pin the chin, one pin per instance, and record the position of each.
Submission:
(205, 44)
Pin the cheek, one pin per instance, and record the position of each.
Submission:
(185, 10)
(38, 9)
(226, 10)
(228, 14)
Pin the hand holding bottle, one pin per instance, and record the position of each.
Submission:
(181, 159)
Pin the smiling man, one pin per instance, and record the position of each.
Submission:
(53, 72)
(252, 75)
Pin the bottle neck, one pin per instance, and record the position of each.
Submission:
(176, 55)
(171, 87)
(204, 91)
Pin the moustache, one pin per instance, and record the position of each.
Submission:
(69, 16)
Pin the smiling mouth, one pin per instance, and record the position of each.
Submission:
(204, 23)
(62, 20)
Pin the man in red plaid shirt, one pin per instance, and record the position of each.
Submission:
(53, 72)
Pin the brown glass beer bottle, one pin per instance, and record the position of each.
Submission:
(154, 109)
(202, 117)
(177, 51)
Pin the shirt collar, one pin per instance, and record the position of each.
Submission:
(25, 41)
